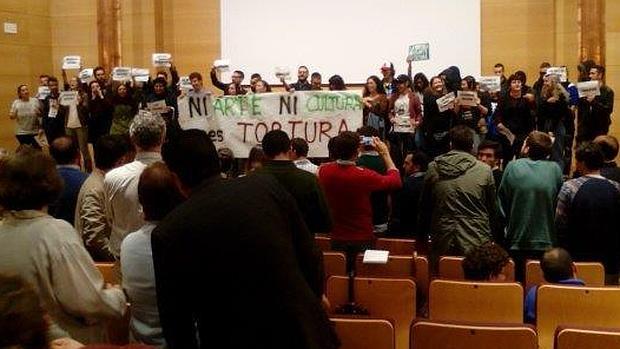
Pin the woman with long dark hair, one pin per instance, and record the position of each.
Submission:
(376, 105)
(336, 83)
(124, 108)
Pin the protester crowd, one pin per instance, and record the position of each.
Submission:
(490, 182)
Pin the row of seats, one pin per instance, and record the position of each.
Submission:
(358, 333)
(480, 302)
(450, 268)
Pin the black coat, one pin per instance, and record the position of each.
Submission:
(237, 265)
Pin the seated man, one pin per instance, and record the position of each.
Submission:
(406, 202)
(485, 263)
(558, 268)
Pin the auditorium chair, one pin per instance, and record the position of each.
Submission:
(356, 333)
(335, 264)
(479, 302)
(117, 329)
(393, 299)
(446, 335)
(593, 274)
(400, 247)
(575, 306)
(451, 268)
(324, 242)
(587, 338)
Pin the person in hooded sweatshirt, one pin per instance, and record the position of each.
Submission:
(458, 206)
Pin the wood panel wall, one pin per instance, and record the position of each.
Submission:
(519, 33)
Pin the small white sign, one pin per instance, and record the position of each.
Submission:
(560, 71)
(68, 98)
(376, 257)
(222, 64)
(72, 62)
(185, 83)
(588, 88)
(467, 98)
(121, 73)
(402, 124)
(10, 28)
(43, 92)
(161, 60)
(418, 52)
(86, 75)
(282, 73)
(140, 74)
(490, 83)
(446, 102)
(157, 107)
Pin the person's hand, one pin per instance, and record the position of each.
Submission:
(66, 343)
(381, 147)
(409, 60)
(501, 127)
(213, 69)
(530, 97)
(552, 99)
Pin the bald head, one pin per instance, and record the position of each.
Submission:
(65, 151)
(557, 265)
(158, 192)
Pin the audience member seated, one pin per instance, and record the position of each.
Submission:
(527, 196)
(67, 155)
(486, 263)
(558, 268)
(299, 155)
(369, 158)
(91, 221)
(251, 262)
(609, 147)
(406, 202)
(147, 134)
(490, 153)
(458, 205)
(159, 194)
(348, 188)
(48, 253)
(587, 214)
(302, 185)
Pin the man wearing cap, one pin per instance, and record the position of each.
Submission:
(387, 69)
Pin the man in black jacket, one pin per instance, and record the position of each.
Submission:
(594, 115)
(235, 265)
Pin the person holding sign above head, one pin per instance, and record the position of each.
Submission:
(26, 111)
(100, 110)
(376, 106)
(405, 116)
(237, 79)
(514, 117)
(595, 111)
(437, 122)
(43, 90)
(302, 83)
(315, 81)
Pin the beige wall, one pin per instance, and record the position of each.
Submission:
(612, 57)
(518, 33)
(24, 55)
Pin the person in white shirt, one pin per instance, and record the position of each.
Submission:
(158, 193)
(47, 253)
(299, 153)
(26, 111)
(120, 185)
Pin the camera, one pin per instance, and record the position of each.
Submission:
(366, 141)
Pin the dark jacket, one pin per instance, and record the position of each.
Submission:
(458, 205)
(54, 125)
(304, 187)
(405, 208)
(594, 118)
(237, 267)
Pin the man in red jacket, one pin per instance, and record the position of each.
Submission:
(348, 188)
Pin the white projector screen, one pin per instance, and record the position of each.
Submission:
(351, 38)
